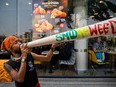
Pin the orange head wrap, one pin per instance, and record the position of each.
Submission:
(8, 42)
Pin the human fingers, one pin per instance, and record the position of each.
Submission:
(23, 46)
(55, 45)
(24, 52)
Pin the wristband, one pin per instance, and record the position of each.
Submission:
(23, 60)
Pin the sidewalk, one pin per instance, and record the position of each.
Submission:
(72, 82)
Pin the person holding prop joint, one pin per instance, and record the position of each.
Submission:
(21, 65)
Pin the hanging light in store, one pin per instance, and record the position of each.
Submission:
(111, 16)
(7, 4)
(95, 13)
(29, 3)
(100, 1)
(92, 16)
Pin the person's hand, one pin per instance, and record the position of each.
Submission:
(24, 50)
(55, 45)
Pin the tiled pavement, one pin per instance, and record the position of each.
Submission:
(59, 79)
(72, 82)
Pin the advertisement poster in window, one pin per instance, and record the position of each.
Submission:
(49, 16)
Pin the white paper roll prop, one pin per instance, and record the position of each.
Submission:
(107, 27)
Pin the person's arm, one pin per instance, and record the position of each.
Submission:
(16, 75)
(19, 75)
(94, 49)
(46, 57)
(105, 47)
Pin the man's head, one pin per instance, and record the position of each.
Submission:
(98, 39)
(11, 44)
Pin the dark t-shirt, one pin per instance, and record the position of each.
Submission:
(30, 79)
(98, 46)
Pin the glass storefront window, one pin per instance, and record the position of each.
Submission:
(36, 19)
(100, 10)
